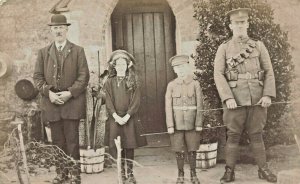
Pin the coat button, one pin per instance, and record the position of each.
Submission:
(54, 66)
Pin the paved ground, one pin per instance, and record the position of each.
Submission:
(159, 167)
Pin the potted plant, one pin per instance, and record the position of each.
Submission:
(212, 135)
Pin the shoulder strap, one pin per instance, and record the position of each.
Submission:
(244, 54)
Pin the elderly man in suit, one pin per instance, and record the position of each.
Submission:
(61, 75)
(245, 81)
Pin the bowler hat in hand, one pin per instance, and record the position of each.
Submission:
(58, 19)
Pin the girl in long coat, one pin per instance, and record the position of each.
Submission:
(122, 102)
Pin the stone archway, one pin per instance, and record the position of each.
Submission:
(185, 22)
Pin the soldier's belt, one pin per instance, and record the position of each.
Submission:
(247, 76)
(184, 108)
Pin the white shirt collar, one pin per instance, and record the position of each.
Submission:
(61, 44)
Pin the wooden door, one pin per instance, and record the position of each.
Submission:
(148, 32)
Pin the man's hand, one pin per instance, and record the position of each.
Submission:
(64, 95)
(265, 101)
(118, 119)
(231, 103)
(126, 118)
(54, 98)
(198, 129)
(170, 130)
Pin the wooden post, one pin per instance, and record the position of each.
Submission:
(19, 123)
(119, 165)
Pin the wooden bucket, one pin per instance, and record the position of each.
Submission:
(207, 156)
(92, 161)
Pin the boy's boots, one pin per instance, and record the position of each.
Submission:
(180, 164)
(192, 161)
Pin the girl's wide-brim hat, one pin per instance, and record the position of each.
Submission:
(58, 20)
(121, 53)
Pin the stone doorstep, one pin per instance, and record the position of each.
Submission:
(289, 176)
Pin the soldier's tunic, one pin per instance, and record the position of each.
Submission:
(243, 71)
(247, 89)
(183, 105)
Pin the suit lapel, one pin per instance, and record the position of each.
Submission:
(67, 51)
(52, 53)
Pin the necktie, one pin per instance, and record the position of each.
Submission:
(59, 48)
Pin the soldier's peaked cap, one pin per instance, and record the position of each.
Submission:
(179, 60)
(239, 14)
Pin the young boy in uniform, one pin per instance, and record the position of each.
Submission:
(183, 115)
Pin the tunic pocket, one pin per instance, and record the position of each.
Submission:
(232, 84)
(176, 94)
(191, 96)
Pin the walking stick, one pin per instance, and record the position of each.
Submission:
(223, 108)
(92, 127)
(97, 109)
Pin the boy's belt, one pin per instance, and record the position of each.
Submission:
(184, 108)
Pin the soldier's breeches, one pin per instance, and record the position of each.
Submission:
(249, 118)
(258, 149)
(232, 149)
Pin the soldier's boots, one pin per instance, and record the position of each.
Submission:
(265, 174)
(228, 176)
(194, 178)
(180, 178)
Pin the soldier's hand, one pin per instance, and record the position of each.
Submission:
(64, 95)
(265, 101)
(171, 130)
(198, 129)
(54, 98)
(231, 103)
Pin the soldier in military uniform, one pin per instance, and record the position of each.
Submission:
(244, 77)
(183, 115)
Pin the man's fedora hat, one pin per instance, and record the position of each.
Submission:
(58, 19)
